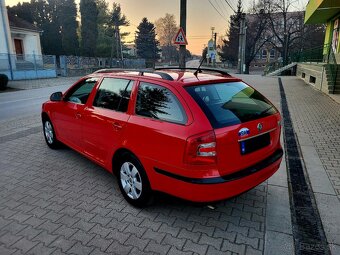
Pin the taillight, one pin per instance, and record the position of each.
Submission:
(201, 149)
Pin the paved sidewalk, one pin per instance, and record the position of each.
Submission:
(316, 119)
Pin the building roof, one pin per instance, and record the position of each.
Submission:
(16, 22)
(320, 11)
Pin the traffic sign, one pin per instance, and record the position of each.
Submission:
(180, 38)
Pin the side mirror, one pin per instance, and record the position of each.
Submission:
(56, 96)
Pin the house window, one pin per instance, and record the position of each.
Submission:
(264, 54)
(272, 53)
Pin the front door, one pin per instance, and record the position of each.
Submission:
(19, 49)
(69, 117)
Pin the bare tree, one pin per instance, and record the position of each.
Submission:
(166, 29)
(257, 34)
(286, 25)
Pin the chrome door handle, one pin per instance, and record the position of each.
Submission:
(117, 126)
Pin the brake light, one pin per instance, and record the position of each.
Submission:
(201, 149)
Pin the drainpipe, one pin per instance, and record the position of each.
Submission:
(4, 22)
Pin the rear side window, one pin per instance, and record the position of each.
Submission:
(114, 94)
(231, 103)
(157, 102)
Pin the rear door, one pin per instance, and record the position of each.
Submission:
(246, 124)
(106, 119)
(157, 130)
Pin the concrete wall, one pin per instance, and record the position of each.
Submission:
(313, 74)
(31, 74)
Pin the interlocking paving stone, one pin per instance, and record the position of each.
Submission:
(318, 116)
(75, 207)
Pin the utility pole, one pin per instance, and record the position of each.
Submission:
(183, 25)
(242, 43)
(214, 59)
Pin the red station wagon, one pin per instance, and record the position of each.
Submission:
(199, 135)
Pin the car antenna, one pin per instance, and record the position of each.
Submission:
(199, 67)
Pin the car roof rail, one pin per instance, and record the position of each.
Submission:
(199, 70)
(164, 76)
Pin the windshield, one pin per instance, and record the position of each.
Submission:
(231, 103)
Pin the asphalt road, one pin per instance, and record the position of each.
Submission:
(25, 102)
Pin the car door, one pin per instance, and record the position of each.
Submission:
(157, 130)
(106, 119)
(68, 119)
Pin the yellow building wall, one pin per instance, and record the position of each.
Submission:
(328, 37)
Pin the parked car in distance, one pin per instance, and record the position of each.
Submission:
(199, 135)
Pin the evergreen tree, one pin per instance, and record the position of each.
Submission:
(117, 20)
(146, 43)
(104, 40)
(56, 19)
(89, 29)
(229, 49)
(68, 26)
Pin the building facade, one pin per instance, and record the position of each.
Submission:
(324, 75)
(20, 49)
(326, 12)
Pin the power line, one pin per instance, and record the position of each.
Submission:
(226, 8)
(217, 10)
(222, 9)
(227, 1)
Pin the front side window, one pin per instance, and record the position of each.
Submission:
(81, 92)
(157, 102)
(114, 94)
(231, 103)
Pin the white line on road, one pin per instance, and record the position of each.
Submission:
(25, 99)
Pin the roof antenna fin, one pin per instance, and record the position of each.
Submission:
(199, 67)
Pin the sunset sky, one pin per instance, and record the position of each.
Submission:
(201, 16)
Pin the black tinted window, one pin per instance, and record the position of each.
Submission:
(231, 103)
(114, 94)
(82, 91)
(159, 103)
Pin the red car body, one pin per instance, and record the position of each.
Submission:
(192, 159)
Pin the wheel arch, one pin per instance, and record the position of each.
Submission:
(44, 116)
(121, 152)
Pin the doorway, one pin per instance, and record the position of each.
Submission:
(19, 49)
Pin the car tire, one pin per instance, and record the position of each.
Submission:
(133, 181)
(49, 134)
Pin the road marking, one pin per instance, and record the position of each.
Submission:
(25, 99)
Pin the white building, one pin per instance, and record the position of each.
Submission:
(20, 48)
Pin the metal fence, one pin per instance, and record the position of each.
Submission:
(28, 66)
(77, 65)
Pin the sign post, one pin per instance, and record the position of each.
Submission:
(183, 25)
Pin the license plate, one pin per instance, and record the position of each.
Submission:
(254, 144)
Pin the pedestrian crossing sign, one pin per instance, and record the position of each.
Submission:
(180, 37)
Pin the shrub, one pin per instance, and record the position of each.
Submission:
(3, 81)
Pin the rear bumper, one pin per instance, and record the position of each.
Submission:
(218, 188)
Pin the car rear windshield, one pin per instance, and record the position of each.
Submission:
(231, 103)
